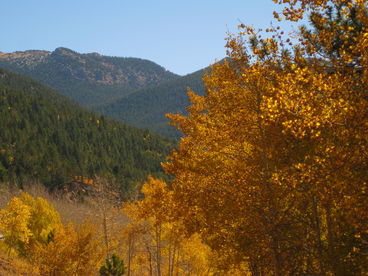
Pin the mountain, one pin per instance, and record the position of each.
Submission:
(46, 137)
(147, 107)
(86, 78)
(138, 92)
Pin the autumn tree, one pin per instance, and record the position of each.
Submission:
(69, 251)
(156, 242)
(35, 237)
(271, 170)
(27, 221)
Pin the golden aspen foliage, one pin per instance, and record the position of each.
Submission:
(43, 218)
(69, 252)
(27, 221)
(37, 243)
(156, 243)
(272, 168)
(14, 224)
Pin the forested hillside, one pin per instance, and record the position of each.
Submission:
(46, 137)
(138, 92)
(148, 107)
(269, 177)
(86, 78)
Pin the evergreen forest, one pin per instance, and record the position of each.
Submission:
(147, 107)
(48, 138)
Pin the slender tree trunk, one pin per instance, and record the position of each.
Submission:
(106, 238)
(177, 263)
(158, 249)
(150, 261)
(317, 226)
(129, 253)
(333, 259)
(277, 257)
(173, 262)
(254, 268)
(169, 265)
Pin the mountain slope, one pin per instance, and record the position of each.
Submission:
(87, 78)
(45, 136)
(147, 107)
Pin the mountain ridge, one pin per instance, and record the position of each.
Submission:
(136, 91)
(147, 107)
(89, 78)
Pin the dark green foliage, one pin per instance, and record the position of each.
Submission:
(338, 23)
(138, 92)
(147, 107)
(87, 78)
(113, 266)
(46, 137)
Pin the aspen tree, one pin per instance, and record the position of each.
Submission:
(272, 168)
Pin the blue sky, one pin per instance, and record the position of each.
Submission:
(181, 35)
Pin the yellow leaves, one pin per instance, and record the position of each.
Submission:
(195, 256)
(32, 229)
(154, 232)
(10, 159)
(277, 141)
(329, 149)
(277, 16)
(26, 221)
(156, 203)
(44, 217)
(14, 223)
(69, 252)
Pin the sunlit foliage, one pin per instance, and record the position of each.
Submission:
(36, 240)
(69, 252)
(272, 169)
(156, 243)
(27, 221)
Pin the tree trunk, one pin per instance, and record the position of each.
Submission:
(158, 249)
(317, 229)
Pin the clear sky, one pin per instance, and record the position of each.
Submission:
(181, 35)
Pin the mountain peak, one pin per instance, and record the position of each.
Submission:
(86, 78)
(64, 51)
(94, 54)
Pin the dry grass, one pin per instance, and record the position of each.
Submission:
(70, 211)
(14, 266)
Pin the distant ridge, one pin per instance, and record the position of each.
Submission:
(147, 107)
(136, 91)
(87, 78)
